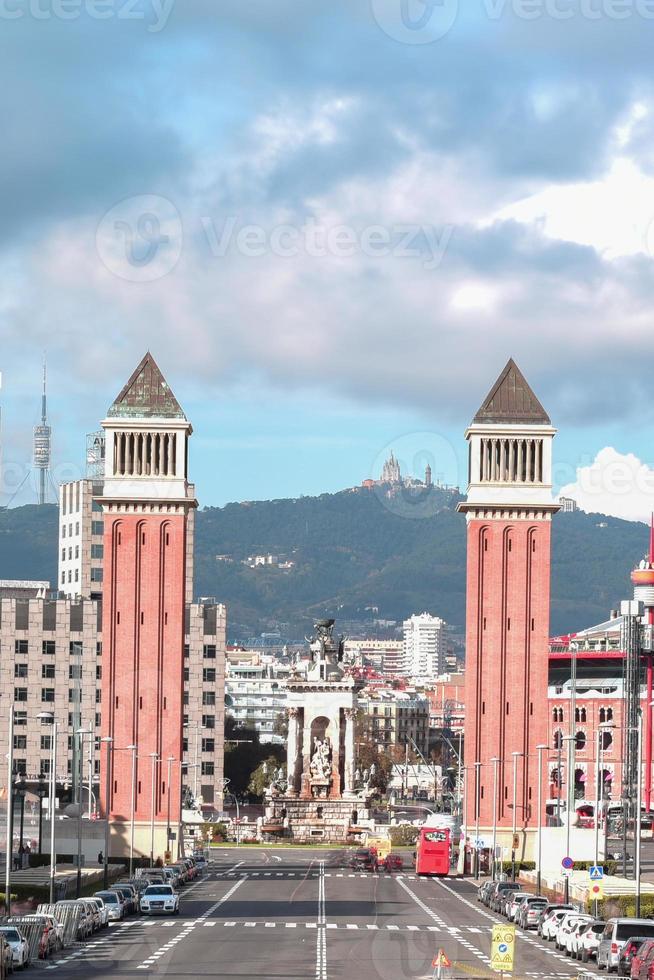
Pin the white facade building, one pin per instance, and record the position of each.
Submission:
(256, 696)
(80, 540)
(424, 646)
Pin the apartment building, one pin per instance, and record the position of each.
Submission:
(395, 718)
(51, 661)
(255, 695)
(81, 549)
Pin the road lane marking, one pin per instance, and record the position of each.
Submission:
(321, 936)
(192, 924)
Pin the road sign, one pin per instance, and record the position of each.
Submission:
(480, 844)
(596, 872)
(502, 949)
(596, 891)
(566, 872)
(440, 959)
(567, 862)
(516, 842)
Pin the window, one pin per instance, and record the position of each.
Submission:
(47, 671)
(98, 720)
(580, 714)
(75, 672)
(580, 740)
(208, 698)
(20, 670)
(75, 648)
(77, 574)
(63, 578)
(45, 767)
(20, 718)
(186, 673)
(185, 699)
(209, 675)
(20, 694)
(208, 744)
(209, 652)
(208, 721)
(97, 551)
(74, 694)
(63, 533)
(77, 551)
(76, 527)
(98, 649)
(96, 574)
(558, 740)
(21, 648)
(47, 694)
(97, 527)
(187, 651)
(98, 673)
(70, 554)
(20, 767)
(607, 740)
(184, 745)
(207, 768)
(20, 741)
(98, 696)
(63, 554)
(46, 743)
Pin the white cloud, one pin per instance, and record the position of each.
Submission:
(617, 484)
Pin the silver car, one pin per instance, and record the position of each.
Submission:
(616, 933)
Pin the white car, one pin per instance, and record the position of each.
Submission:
(514, 907)
(113, 905)
(551, 924)
(572, 936)
(589, 940)
(566, 925)
(103, 910)
(160, 898)
(20, 950)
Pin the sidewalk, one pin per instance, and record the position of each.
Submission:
(65, 877)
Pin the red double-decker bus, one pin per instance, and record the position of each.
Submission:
(433, 851)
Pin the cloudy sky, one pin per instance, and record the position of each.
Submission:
(332, 223)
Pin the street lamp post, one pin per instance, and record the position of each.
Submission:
(569, 807)
(540, 749)
(170, 760)
(41, 794)
(107, 740)
(49, 716)
(477, 808)
(132, 749)
(514, 829)
(80, 776)
(639, 794)
(496, 763)
(154, 756)
(10, 812)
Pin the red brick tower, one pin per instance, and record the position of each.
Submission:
(146, 504)
(508, 512)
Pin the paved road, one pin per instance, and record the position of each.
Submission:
(299, 914)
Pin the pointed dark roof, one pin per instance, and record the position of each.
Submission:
(146, 395)
(511, 400)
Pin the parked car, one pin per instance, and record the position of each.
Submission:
(589, 939)
(7, 957)
(530, 912)
(566, 925)
(200, 862)
(114, 905)
(630, 948)
(641, 959)
(48, 939)
(504, 900)
(483, 889)
(160, 898)
(549, 908)
(85, 920)
(130, 888)
(550, 925)
(570, 937)
(127, 897)
(102, 911)
(616, 933)
(513, 907)
(496, 894)
(93, 912)
(20, 951)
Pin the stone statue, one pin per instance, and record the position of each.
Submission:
(320, 766)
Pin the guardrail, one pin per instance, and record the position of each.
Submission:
(69, 916)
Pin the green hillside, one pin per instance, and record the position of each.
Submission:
(353, 550)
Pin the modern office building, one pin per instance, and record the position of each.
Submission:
(424, 646)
